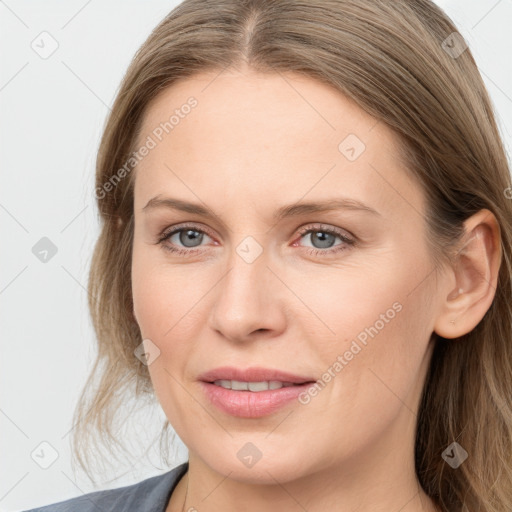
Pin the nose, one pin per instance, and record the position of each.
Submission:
(248, 302)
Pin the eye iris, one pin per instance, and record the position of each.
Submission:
(188, 235)
(324, 239)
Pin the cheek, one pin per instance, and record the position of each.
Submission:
(372, 376)
(162, 305)
(169, 305)
(347, 303)
(376, 330)
(162, 295)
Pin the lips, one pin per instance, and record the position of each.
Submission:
(254, 374)
(241, 393)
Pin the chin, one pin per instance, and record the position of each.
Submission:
(264, 471)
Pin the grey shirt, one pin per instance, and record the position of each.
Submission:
(150, 495)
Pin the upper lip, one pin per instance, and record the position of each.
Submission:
(253, 374)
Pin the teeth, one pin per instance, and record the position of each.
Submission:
(258, 386)
(252, 386)
(239, 386)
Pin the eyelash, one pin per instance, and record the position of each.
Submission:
(347, 242)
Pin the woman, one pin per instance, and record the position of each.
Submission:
(305, 256)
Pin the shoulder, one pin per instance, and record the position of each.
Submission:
(151, 494)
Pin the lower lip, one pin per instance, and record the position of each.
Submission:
(252, 404)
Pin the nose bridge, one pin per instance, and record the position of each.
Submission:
(245, 300)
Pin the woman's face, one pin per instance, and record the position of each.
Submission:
(343, 296)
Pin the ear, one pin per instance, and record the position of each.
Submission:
(472, 277)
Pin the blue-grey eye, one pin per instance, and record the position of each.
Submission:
(190, 235)
(325, 240)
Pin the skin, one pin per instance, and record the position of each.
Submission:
(253, 144)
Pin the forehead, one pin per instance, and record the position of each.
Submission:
(250, 137)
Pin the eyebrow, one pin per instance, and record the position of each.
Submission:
(287, 211)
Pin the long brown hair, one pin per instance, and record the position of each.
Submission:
(403, 62)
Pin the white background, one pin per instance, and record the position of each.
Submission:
(52, 114)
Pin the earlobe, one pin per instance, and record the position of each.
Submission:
(475, 272)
